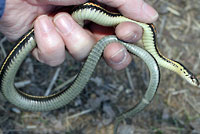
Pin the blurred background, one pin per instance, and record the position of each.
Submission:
(174, 110)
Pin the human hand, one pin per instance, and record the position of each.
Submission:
(54, 33)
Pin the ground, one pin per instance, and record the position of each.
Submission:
(174, 110)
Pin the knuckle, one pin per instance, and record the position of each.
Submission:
(50, 49)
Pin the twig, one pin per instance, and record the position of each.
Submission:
(179, 92)
(22, 83)
(173, 11)
(192, 105)
(172, 5)
(2, 48)
(129, 78)
(188, 24)
(52, 82)
(16, 110)
(161, 29)
(79, 114)
(196, 23)
(65, 83)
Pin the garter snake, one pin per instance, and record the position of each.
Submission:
(93, 12)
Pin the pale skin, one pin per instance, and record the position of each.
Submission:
(55, 34)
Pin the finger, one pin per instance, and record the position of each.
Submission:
(129, 32)
(77, 40)
(50, 48)
(116, 56)
(56, 2)
(134, 9)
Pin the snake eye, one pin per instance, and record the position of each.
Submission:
(194, 80)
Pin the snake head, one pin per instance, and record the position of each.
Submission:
(189, 76)
(194, 81)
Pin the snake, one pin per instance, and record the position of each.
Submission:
(93, 12)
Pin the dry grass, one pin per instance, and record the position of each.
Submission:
(174, 110)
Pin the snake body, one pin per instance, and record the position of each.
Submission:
(93, 12)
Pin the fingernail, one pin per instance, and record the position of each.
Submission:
(119, 57)
(149, 11)
(45, 24)
(131, 37)
(63, 23)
